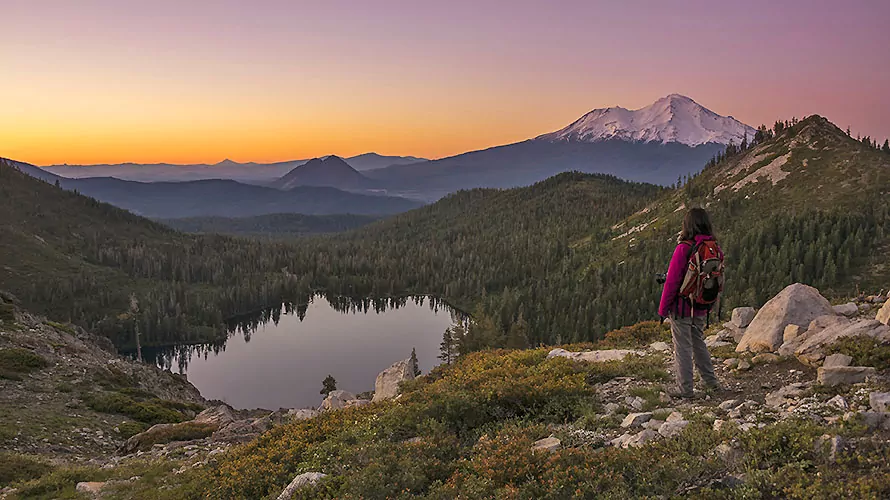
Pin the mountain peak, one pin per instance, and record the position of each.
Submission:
(225, 163)
(673, 118)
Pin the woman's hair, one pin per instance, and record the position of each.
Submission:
(695, 223)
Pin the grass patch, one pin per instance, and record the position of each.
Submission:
(651, 397)
(15, 467)
(14, 360)
(67, 328)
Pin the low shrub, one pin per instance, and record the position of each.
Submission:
(186, 431)
(865, 351)
(15, 467)
(7, 312)
(130, 429)
(150, 412)
(17, 360)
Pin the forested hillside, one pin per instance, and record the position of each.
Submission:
(270, 226)
(74, 258)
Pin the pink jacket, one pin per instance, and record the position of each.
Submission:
(671, 302)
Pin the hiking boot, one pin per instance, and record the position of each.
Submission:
(678, 394)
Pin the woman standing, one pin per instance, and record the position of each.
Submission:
(686, 315)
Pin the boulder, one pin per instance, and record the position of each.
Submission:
(92, 488)
(547, 444)
(797, 304)
(884, 314)
(641, 438)
(675, 416)
(879, 401)
(844, 375)
(743, 365)
(165, 433)
(636, 419)
(220, 415)
(728, 453)
(839, 402)
(837, 360)
(849, 309)
(301, 413)
(827, 321)
(764, 358)
(660, 346)
(301, 481)
(714, 341)
(653, 424)
(737, 333)
(791, 332)
(742, 316)
(786, 394)
(242, 431)
(731, 362)
(387, 384)
(671, 429)
(594, 356)
(337, 399)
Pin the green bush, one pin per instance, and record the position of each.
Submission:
(130, 429)
(7, 312)
(17, 360)
(15, 467)
(865, 351)
(150, 412)
(185, 431)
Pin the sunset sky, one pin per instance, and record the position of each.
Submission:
(190, 81)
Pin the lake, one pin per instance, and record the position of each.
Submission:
(278, 358)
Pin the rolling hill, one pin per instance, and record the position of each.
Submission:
(272, 226)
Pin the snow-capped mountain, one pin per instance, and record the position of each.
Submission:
(675, 118)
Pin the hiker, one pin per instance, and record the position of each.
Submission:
(693, 284)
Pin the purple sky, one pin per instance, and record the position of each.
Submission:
(96, 81)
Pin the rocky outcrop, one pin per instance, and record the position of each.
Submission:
(797, 304)
(336, 400)
(837, 359)
(884, 314)
(594, 356)
(387, 384)
(302, 481)
(826, 330)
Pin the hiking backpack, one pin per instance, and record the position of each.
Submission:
(703, 282)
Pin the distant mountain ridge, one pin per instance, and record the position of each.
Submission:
(222, 198)
(675, 118)
(251, 172)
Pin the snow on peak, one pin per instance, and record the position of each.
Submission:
(674, 118)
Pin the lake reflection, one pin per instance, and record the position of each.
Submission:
(278, 358)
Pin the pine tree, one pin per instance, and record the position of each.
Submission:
(886, 147)
(329, 384)
(415, 367)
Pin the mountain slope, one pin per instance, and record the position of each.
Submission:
(674, 118)
(370, 161)
(671, 138)
(165, 172)
(328, 172)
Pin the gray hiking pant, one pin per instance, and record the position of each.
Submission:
(689, 345)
